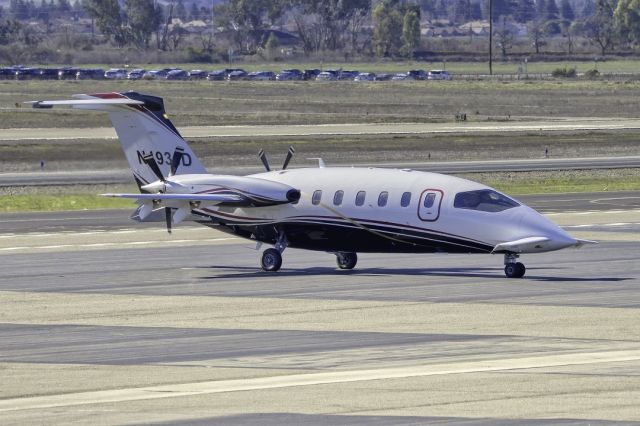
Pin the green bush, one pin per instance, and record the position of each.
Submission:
(564, 72)
(592, 74)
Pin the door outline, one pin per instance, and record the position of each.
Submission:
(422, 210)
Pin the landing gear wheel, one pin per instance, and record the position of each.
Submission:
(271, 260)
(514, 270)
(346, 260)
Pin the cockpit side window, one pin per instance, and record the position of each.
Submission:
(485, 200)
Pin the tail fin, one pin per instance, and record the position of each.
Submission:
(143, 129)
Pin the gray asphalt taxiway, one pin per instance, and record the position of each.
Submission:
(103, 321)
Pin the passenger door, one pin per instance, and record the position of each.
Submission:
(429, 207)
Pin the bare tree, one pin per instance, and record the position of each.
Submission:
(504, 38)
(537, 34)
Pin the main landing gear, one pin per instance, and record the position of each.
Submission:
(271, 260)
(346, 260)
(513, 268)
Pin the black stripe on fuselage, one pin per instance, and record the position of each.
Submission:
(329, 234)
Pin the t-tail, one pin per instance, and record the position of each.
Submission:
(144, 131)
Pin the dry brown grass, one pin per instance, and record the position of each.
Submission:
(219, 103)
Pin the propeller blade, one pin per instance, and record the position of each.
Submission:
(168, 218)
(151, 162)
(289, 156)
(176, 160)
(263, 157)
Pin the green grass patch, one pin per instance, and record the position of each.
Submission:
(549, 182)
(520, 183)
(42, 202)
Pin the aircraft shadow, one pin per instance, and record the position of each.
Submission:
(485, 273)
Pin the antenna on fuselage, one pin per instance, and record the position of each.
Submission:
(320, 161)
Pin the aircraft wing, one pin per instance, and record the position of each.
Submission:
(211, 198)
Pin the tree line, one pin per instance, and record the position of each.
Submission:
(385, 28)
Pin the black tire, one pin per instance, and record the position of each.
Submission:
(271, 260)
(514, 270)
(346, 260)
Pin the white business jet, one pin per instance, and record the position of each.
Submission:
(342, 210)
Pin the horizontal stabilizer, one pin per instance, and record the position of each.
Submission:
(85, 102)
(213, 198)
(522, 245)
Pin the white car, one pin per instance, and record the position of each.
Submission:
(438, 75)
(326, 76)
(115, 74)
(365, 76)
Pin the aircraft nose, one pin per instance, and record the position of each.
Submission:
(538, 225)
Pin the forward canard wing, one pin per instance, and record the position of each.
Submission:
(523, 245)
(538, 245)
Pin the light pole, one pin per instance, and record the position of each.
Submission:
(490, 37)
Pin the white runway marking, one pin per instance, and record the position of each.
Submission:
(590, 212)
(310, 379)
(130, 243)
(591, 225)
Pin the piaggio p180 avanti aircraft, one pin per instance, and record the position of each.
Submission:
(342, 210)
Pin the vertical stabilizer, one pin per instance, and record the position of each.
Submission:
(144, 129)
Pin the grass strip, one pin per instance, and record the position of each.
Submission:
(43, 202)
(521, 183)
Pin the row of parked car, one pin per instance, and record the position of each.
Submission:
(229, 74)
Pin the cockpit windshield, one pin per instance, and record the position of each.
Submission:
(485, 200)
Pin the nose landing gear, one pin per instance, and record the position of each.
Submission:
(513, 268)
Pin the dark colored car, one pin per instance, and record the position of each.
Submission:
(217, 75)
(197, 74)
(90, 74)
(348, 75)
(365, 76)
(289, 74)
(384, 77)
(115, 74)
(310, 74)
(177, 75)
(136, 74)
(7, 73)
(261, 75)
(230, 70)
(418, 74)
(157, 74)
(48, 74)
(237, 75)
(67, 73)
(27, 73)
